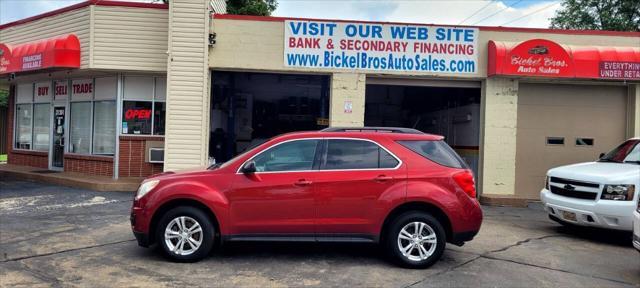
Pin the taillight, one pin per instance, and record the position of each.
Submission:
(466, 183)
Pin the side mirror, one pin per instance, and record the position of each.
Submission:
(601, 155)
(249, 168)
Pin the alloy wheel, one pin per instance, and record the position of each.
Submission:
(417, 241)
(183, 235)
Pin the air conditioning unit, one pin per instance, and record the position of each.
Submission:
(156, 155)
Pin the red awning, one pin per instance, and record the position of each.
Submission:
(545, 58)
(58, 52)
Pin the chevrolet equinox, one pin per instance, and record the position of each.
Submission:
(407, 190)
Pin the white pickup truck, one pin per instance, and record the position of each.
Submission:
(602, 194)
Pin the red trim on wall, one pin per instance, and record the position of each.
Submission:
(482, 28)
(142, 138)
(82, 5)
(29, 152)
(88, 157)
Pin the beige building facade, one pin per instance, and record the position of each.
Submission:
(230, 83)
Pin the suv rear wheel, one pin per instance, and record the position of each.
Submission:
(185, 234)
(416, 239)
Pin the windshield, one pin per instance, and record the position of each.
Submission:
(627, 152)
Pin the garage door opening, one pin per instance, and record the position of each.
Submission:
(453, 112)
(249, 108)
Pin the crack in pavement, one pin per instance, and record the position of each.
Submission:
(65, 251)
(558, 270)
(444, 271)
(487, 255)
(52, 280)
(518, 243)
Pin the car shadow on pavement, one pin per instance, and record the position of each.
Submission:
(299, 249)
(606, 236)
(296, 251)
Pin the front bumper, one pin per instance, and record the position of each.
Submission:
(136, 220)
(143, 239)
(607, 214)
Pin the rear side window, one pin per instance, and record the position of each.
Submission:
(356, 154)
(436, 151)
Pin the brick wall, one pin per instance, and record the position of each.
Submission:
(29, 158)
(89, 164)
(132, 157)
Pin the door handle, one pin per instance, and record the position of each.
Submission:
(382, 178)
(302, 182)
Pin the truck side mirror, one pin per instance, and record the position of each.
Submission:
(249, 168)
(601, 155)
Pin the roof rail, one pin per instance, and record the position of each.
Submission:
(373, 129)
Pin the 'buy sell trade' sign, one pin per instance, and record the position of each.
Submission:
(380, 47)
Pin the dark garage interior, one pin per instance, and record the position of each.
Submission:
(249, 108)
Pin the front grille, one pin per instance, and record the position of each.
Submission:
(574, 182)
(574, 193)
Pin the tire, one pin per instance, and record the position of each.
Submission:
(415, 257)
(196, 244)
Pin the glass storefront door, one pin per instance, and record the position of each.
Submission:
(57, 160)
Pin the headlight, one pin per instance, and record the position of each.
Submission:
(618, 192)
(145, 187)
(546, 183)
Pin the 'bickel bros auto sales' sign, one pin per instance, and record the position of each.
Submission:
(380, 47)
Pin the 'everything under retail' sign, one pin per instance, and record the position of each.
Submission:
(380, 47)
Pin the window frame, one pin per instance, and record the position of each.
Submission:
(93, 126)
(577, 140)
(32, 104)
(554, 138)
(321, 154)
(316, 157)
(70, 101)
(153, 101)
(16, 128)
(68, 141)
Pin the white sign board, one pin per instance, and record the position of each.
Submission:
(42, 91)
(380, 47)
(61, 90)
(81, 89)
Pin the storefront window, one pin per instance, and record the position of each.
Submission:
(159, 113)
(80, 127)
(143, 108)
(33, 116)
(104, 127)
(41, 126)
(136, 117)
(24, 114)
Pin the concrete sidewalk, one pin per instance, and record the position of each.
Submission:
(96, 183)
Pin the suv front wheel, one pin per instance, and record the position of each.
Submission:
(185, 234)
(416, 239)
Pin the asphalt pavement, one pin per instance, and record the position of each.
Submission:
(54, 236)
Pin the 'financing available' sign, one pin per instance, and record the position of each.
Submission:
(380, 47)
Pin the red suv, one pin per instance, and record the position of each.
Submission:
(399, 187)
